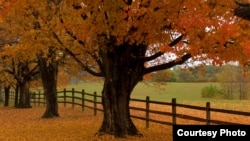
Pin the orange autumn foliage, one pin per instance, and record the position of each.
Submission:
(207, 25)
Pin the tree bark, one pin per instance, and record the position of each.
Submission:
(117, 119)
(7, 95)
(16, 95)
(24, 100)
(121, 76)
(51, 101)
(48, 71)
(243, 11)
(1, 97)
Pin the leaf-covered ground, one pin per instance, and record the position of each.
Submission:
(75, 125)
(72, 125)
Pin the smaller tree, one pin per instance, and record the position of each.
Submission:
(35, 23)
(234, 82)
(6, 94)
(164, 76)
(185, 75)
(211, 91)
(1, 94)
(243, 82)
(7, 80)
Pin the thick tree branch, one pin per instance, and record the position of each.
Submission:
(128, 2)
(34, 69)
(168, 65)
(76, 59)
(9, 71)
(19, 79)
(34, 73)
(146, 59)
(96, 58)
(242, 2)
(176, 41)
(158, 54)
(69, 33)
(100, 74)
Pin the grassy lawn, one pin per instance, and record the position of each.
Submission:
(180, 91)
(156, 92)
(187, 93)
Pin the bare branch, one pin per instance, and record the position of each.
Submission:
(168, 65)
(176, 41)
(158, 54)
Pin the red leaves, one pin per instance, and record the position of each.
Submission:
(246, 51)
(164, 49)
(226, 32)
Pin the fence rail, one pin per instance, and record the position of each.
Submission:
(93, 101)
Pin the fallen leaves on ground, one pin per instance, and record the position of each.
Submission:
(75, 125)
(72, 125)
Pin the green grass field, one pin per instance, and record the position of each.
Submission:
(158, 92)
(187, 93)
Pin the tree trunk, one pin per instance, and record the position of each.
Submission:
(51, 100)
(117, 119)
(16, 95)
(7, 95)
(1, 97)
(24, 101)
(48, 72)
(121, 76)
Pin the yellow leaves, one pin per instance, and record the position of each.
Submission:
(16, 54)
(21, 22)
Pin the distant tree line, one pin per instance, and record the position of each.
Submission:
(206, 73)
(233, 80)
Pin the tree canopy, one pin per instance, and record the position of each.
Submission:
(203, 29)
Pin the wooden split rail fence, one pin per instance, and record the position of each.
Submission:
(93, 101)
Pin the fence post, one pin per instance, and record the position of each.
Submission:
(95, 104)
(39, 98)
(174, 111)
(73, 98)
(44, 99)
(147, 111)
(208, 113)
(64, 97)
(83, 96)
(34, 98)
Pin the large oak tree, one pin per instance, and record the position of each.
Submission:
(123, 37)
